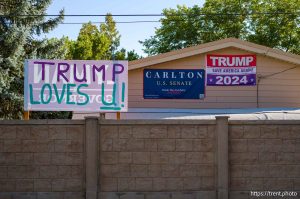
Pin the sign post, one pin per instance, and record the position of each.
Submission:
(26, 115)
(76, 85)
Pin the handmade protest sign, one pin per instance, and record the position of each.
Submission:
(174, 83)
(231, 70)
(76, 85)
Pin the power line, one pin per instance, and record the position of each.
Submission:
(155, 15)
(102, 22)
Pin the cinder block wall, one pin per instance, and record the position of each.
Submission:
(42, 159)
(172, 158)
(169, 159)
(264, 157)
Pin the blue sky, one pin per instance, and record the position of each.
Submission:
(130, 33)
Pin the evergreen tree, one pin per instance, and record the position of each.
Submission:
(20, 23)
(110, 31)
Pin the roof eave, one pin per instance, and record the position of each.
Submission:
(212, 46)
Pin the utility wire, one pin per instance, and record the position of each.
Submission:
(155, 15)
(98, 22)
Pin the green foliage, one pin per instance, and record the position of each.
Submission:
(126, 55)
(99, 44)
(110, 31)
(217, 19)
(17, 43)
(93, 43)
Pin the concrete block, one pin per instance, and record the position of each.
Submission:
(68, 146)
(159, 131)
(58, 185)
(243, 158)
(12, 146)
(166, 145)
(135, 145)
(251, 131)
(189, 132)
(125, 131)
(7, 185)
(24, 158)
(154, 170)
(143, 184)
(141, 157)
(174, 184)
(151, 145)
(177, 157)
(75, 132)
(159, 157)
(256, 145)
(57, 132)
(27, 171)
(109, 184)
(203, 145)
(238, 145)
(170, 170)
(174, 131)
(192, 183)
(8, 132)
(141, 131)
(138, 170)
(126, 184)
(42, 185)
(73, 185)
(189, 170)
(109, 157)
(184, 145)
(109, 132)
(273, 145)
(64, 171)
(125, 157)
(268, 131)
(159, 184)
(106, 145)
(48, 171)
(236, 131)
(42, 158)
(7, 159)
(199, 157)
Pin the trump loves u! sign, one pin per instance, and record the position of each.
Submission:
(76, 85)
(231, 70)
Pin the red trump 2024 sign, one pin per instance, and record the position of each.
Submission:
(230, 70)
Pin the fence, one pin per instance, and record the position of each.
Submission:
(111, 159)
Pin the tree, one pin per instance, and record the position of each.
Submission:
(21, 22)
(217, 19)
(99, 44)
(93, 43)
(109, 29)
(277, 30)
(126, 55)
(90, 43)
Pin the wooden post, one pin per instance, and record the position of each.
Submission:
(118, 115)
(26, 115)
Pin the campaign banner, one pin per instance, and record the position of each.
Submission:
(174, 83)
(230, 70)
(76, 85)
